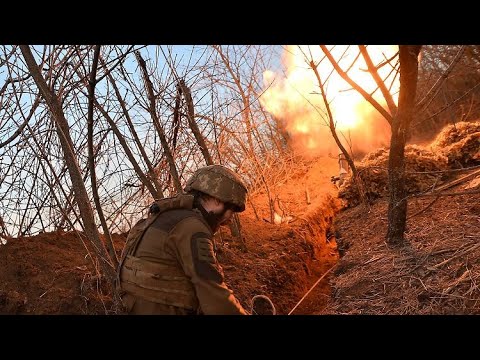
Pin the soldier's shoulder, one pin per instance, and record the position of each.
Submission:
(169, 220)
(194, 221)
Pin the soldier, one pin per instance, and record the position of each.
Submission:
(169, 265)
(344, 169)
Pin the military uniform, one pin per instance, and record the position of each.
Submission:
(170, 265)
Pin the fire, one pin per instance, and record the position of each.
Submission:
(294, 98)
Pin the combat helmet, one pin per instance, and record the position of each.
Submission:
(221, 183)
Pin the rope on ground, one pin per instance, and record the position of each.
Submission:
(308, 292)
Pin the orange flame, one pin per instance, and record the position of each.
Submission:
(295, 99)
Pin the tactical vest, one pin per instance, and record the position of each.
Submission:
(160, 282)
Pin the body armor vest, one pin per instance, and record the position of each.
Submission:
(161, 281)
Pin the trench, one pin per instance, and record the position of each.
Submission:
(287, 262)
(318, 231)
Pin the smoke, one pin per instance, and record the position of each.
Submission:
(295, 101)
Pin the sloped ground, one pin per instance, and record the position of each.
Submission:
(52, 273)
(438, 273)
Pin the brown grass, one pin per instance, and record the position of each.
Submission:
(437, 273)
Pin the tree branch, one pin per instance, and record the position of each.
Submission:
(91, 159)
(156, 122)
(380, 83)
(427, 99)
(357, 87)
(22, 126)
(151, 172)
(75, 175)
(193, 125)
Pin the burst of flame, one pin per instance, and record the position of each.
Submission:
(294, 98)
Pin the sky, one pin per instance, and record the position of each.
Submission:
(289, 82)
(184, 56)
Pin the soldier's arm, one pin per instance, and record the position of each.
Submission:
(197, 256)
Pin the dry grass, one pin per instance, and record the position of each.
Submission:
(419, 165)
(457, 146)
(438, 273)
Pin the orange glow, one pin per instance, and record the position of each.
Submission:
(295, 100)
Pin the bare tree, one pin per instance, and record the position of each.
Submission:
(91, 160)
(397, 206)
(45, 200)
(399, 119)
(333, 129)
(79, 188)
(156, 122)
(449, 81)
(239, 71)
(123, 120)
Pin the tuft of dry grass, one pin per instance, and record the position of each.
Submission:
(457, 146)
